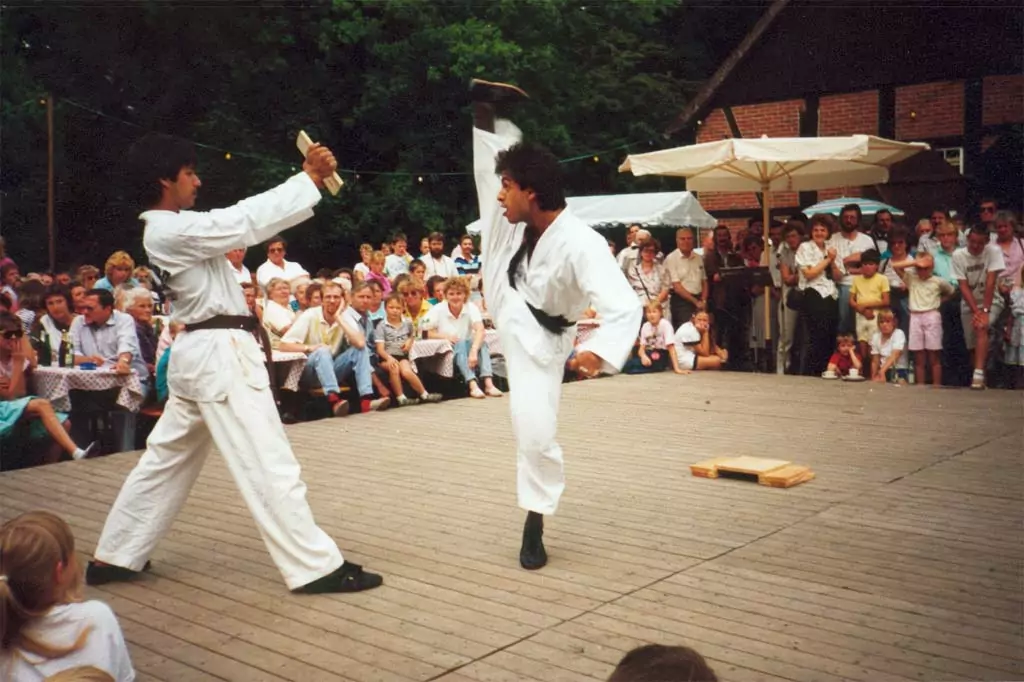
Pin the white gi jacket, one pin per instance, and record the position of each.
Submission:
(188, 250)
(571, 269)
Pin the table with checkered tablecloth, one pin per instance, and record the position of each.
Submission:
(54, 384)
(290, 365)
(437, 357)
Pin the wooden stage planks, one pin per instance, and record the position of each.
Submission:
(900, 560)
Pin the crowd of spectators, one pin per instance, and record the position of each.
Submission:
(940, 303)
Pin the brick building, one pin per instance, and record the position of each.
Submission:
(949, 74)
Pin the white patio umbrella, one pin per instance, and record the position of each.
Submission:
(776, 164)
(835, 206)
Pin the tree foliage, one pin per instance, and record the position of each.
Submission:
(383, 83)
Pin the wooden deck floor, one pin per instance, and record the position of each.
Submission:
(902, 560)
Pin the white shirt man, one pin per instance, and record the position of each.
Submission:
(688, 279)
(442, 266)
(242, 274)
(277, 266)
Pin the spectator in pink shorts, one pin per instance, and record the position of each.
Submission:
(926, 294)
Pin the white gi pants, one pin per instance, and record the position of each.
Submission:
(246, 429)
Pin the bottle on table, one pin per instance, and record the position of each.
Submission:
(65, 353)
(41, 343)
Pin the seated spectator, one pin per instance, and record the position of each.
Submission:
(418, 271)
(77, 297)
(164, 360)
(398, 262)
(106, 337)
(394, 339)
(237, 259)
(118, 271)
(31, 303)
(416, 307)
(695, 344)
(47, 628)
(466, 262)
(376, 273)
(656, 349)
(298, 287)
(376, 311)
(437, 262)
(658, 663)
(362, 268)
(26, 419)
(888, 351)
(460, 323)
(435, 289)
(87, 276)
(845, 358)
(278, 315)
(336, 350)
(385, 248)
(314, 297)
(977, 267)
(276, 266)
(424, 248)
(10, 280)
(869, 293)
(139, 304)
(358, 313)
(55, 325)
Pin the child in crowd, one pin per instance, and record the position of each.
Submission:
(45, 627)
(376, 273)
(926, 293)
(394, 338)
(696, 347)
(656, 348)
(869, 293)
(376, 311)
(888, 350)
(845, 358)
(435, 290)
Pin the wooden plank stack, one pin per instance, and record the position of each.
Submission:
(777, 473)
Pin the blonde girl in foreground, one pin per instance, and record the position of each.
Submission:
(45, 627)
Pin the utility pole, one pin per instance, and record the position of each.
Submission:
(51, 232)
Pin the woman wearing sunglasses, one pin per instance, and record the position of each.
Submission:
(25, 417)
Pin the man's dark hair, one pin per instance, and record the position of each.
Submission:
(32, 295)
(399, 237)
(60, 290)
(325, 273)
(435, 237)
(152, 158)
(416, 262)
(276, 239)
(899, 234)
(852, 207)
(533, 167)
(979, 230)
(881, 211)
(104, 297)
(660, 663)
(870, 256)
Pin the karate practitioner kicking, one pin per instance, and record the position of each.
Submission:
(542, 268)
(220, 391)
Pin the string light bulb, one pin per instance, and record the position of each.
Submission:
(420, 179)
(596, 159)
(227, 156)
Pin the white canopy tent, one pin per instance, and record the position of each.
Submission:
(679, 209)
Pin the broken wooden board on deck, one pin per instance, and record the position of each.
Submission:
(777, 473)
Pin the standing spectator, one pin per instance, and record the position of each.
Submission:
(849, 243)
(10, 278)
(276, 267)
(955, 361)
(437, 263)
(927, 292)
(758, 296)
(87, 276)
(1012, 247)
(335, 348)
(278, 315)
(727, 298)
(459, 322)
(814, 260)
(394, 338)
(398, 262)
(789, 279)
(650, 279)
(987, 209)
(687, 279)
(466, 262)
(888, 351)
(880, 231)
(47, 627)
(118, 272)
(869, 294)
(4, 258)
(362, 268)
(977, 267)
(629, 254)
(24, 416)
(237, 259)
(105, 336)
(899, 250)
(925, 238)
(1014, 355)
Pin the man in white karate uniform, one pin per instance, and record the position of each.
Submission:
(219, 387)
(542, 268)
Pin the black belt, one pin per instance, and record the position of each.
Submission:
(246, 323)
(556, 324)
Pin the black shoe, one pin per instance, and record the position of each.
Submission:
(101, 574)
(495, 93)
(349, 578)
(532, 554)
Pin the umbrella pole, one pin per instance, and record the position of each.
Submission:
(766, 220)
